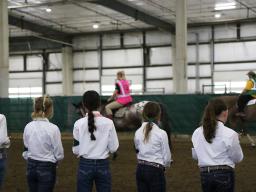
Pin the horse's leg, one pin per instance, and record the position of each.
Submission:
(245, 132)
(251, 140)
(166, 124)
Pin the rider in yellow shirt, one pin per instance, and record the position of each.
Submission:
(248, 93)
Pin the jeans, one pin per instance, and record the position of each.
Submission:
(2, 170)
(150, 179)
(218, 181)
(90, 171)
(41, 176)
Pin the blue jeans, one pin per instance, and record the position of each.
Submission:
(90, 171)
(41, 176)
(150, 179)
(2, 170)
(218, 181)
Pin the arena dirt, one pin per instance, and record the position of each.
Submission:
(182, 176)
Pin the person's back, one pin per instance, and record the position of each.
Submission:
(218, 152)
(153, 152)
(4, 144)
(100, 147)
(94, 137)
(121, 96)
(217, 149)
(42, 147)
(42, 137)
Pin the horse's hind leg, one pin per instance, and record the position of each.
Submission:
(251, 140)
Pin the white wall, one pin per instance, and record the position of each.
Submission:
(232, 59)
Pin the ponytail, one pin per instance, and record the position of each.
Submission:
(91, 125)
(209, 122)
(151, 113)
(147, 131)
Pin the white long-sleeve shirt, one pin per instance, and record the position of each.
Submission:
(156, 149)
(4, 139)
(225, 148)
(106, 138)
(42, 141)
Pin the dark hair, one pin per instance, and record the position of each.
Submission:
(214, 108)
(91, 101)
(151, 113)
(43, 107)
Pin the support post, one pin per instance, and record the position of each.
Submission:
(4, 49)
(67, 71)
(180, 65)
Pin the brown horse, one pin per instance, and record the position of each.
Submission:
(237, 122)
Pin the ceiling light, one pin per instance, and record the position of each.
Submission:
(48, 10)
(95, 26)
(139, 3)
(225, 6)
(217, 15)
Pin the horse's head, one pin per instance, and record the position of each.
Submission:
(79, 109)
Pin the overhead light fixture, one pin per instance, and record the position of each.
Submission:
(95, 26)
(139, 3)
(225, 6)
(217, 15)
(48, 10)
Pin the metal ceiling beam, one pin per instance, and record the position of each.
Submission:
(38, 28)
(30, 44)
(227, 22)
(29, 5)
(136, 14)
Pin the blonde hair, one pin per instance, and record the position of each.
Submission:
(43, 107)
(120, 74)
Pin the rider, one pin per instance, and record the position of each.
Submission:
(121, 95)
(248, 93)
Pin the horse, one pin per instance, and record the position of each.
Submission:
(238, 122)
(129, 117)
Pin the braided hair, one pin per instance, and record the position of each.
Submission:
(91, 101)
(151, 113)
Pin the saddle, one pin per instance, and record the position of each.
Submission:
(119, 113)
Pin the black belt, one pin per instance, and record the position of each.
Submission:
(215, 168)
(93, 160)
(153, 164)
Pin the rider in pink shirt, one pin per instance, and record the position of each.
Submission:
(121, 95)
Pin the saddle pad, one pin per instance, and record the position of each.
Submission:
(252, 102)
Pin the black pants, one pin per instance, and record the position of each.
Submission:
(242, 101)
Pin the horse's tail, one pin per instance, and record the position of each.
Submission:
(166, 123)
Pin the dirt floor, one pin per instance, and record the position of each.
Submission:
(182, 176)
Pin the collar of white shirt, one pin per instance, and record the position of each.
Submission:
(40, 119)
(95, 113)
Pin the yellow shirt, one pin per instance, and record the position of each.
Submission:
(249, 86)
